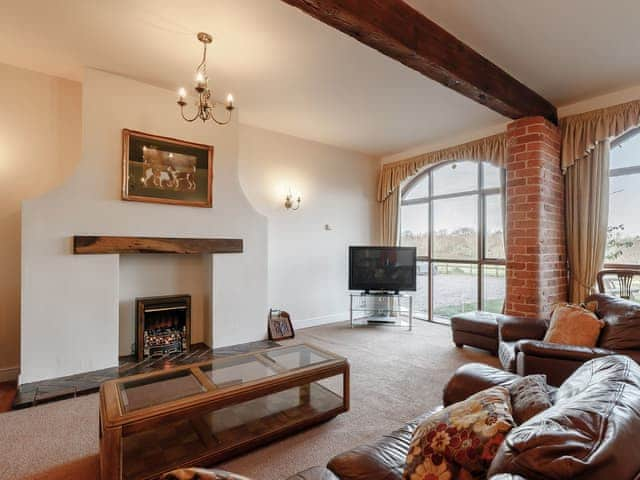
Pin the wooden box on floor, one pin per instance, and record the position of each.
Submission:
(202, 414)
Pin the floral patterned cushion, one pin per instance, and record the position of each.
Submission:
(460, 441)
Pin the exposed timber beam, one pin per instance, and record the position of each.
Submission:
(399, 31)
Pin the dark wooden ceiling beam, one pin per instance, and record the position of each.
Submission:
(399, 31)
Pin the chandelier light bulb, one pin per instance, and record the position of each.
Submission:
(230, 101)
(199, 77)
(182, 93)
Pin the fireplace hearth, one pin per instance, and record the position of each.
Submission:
(163, 325)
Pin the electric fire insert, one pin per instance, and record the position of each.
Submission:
(163, 325)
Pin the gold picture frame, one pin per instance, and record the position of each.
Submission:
(159, 169)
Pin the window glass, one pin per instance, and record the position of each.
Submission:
(455, 228)
(491, 176)
(493, 230)
(421, 295)
(414, 227)
(418, 189)
(623, 233)
(455, 289)
(493, 291)
(461, 280)
(455, 177)
(627, 154)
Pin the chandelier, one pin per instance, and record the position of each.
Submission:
(205, 106)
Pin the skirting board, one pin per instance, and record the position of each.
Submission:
(323, 320)
(9, 374)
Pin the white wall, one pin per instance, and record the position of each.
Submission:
(155, 275)
(70, 302)
(308, 264)
(39, 146)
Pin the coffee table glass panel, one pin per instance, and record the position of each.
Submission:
(204, 413)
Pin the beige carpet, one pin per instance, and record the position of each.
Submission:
(395, 376)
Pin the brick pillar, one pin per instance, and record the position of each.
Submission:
(536, 249)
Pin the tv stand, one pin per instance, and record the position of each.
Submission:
(381, 308)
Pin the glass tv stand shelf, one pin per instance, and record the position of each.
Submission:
(203, 413)
(389, 309)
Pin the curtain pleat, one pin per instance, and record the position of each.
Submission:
(389, 209)
(587, 211)
(581, 133)
(489, 149)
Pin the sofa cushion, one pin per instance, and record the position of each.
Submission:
(590, 432)
(529, 397)
(622, 322)
(507, 355)
(574, 325)
(461, 439)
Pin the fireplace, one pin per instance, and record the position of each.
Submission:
(163, 325)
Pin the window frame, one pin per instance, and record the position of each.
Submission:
(619, 172)
(482, 193)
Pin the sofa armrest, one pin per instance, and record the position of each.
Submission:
(519, 328)
(473, 378)
(560, 352)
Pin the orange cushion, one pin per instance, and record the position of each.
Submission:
(574, 325)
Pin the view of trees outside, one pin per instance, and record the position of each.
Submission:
(455, 236)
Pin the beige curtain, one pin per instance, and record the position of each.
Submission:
(587, 207)
(490, 149)
(389, 209)
(580, 133)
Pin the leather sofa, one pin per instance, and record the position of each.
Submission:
(589, 433)
(521, 349)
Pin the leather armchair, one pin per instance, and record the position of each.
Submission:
(522, 351)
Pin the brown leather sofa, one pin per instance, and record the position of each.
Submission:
(590, 432)
(521, 349)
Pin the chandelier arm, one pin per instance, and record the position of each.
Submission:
(186, 118)
(223, 122)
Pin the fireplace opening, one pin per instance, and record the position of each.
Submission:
(163, 325)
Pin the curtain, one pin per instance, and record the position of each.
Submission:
(587, 210)
(389, 219)
(585, 161)
(580, 133)
(489, 149)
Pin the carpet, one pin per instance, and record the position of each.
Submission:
(395, 375)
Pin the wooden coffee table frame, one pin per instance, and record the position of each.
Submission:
(116, 423)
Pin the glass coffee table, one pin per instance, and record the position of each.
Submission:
(204, 413)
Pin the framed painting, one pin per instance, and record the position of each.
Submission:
(280, 326)
(166, 170)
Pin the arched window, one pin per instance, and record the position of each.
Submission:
(623, 233)
(452, 213)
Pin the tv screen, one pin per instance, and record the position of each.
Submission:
(382, 268)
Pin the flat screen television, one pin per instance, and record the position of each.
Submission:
(382, 268)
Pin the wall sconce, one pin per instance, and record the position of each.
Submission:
(289, 202)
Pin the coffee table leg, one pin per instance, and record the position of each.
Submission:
(111, 454)
(305, 394)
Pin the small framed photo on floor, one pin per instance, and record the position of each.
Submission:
(166, 170)
(280, 326)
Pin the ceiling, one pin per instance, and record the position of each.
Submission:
(292, 74)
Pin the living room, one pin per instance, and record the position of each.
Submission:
(252, 238)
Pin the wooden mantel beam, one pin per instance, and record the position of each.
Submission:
(399, 31)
